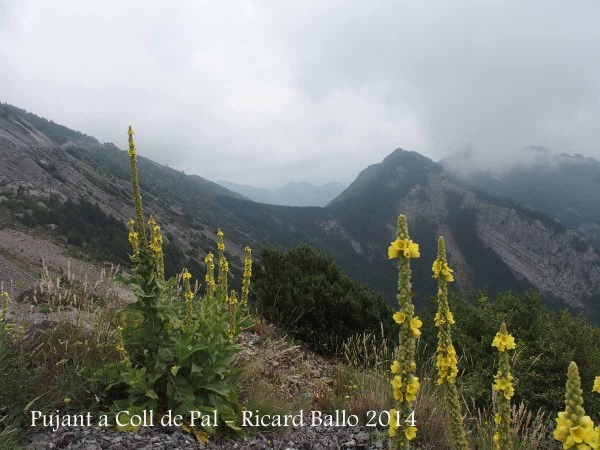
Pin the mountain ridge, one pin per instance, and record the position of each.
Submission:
(290, 194)
(492, 243)
(563, 186)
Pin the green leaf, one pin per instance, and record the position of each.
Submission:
(152, 394)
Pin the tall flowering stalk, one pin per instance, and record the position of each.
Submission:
(247, 276)
(504, 387)
(573, 428)
(134, 238)
(156, 242)
(188, 295)
(223, 266)
(405, 383)
(137, 197)
(209, 278)
(446, 363)
(4, 307)
(233, 309)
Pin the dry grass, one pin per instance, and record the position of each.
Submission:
(277, 377)
(65, 291)
(532, 430)
(70, 339)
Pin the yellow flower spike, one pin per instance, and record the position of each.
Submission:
(504, 342)
(137, 196)
(405, 384)
(188, 295)
(233, 303)
(209, 278)
(446, 361)
(133, 238)
(223, 266)
(247, 275)
(503, 385)
(4, 309)
(156, 242)
(220, 243)
(573, 428)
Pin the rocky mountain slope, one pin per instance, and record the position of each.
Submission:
(563, 186)
(493, 244)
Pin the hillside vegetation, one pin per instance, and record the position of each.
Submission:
(176, 347)
(526, 249)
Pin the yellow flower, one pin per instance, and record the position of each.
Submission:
(395, 248)
(396, 382)
(415, 324)
(413, 250)
(450, 318)
(393, 422)
(410, 433)
(442, 320)
(399, 317)
(504, 342)
(497, 418)
(186, 275)
(576, 434)
(406, 247)
(442, 268)
(398, 395)
(596, 387)
(395, 367)
(412, 388)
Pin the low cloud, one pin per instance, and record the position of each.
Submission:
(269, 92)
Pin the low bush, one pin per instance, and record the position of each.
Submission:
(306, 293)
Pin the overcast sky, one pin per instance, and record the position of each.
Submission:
(266, 92)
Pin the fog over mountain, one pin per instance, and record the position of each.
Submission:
(290, 194)
(312, 90)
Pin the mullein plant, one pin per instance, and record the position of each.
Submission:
(247, 275)
(156, 242)
(135, 184)
(446, 362)
(405, 383)
(573, 428)
(505, 390)
(209, 278)
(188, 295)
(173, 355)
(223, 267)
(134, 238)
(233, 313)
(3, 327)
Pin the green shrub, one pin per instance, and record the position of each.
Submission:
(548, 341)
(305, 292)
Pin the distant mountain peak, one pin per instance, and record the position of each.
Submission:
(293, 193)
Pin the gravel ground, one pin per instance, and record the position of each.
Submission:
(304, 438)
